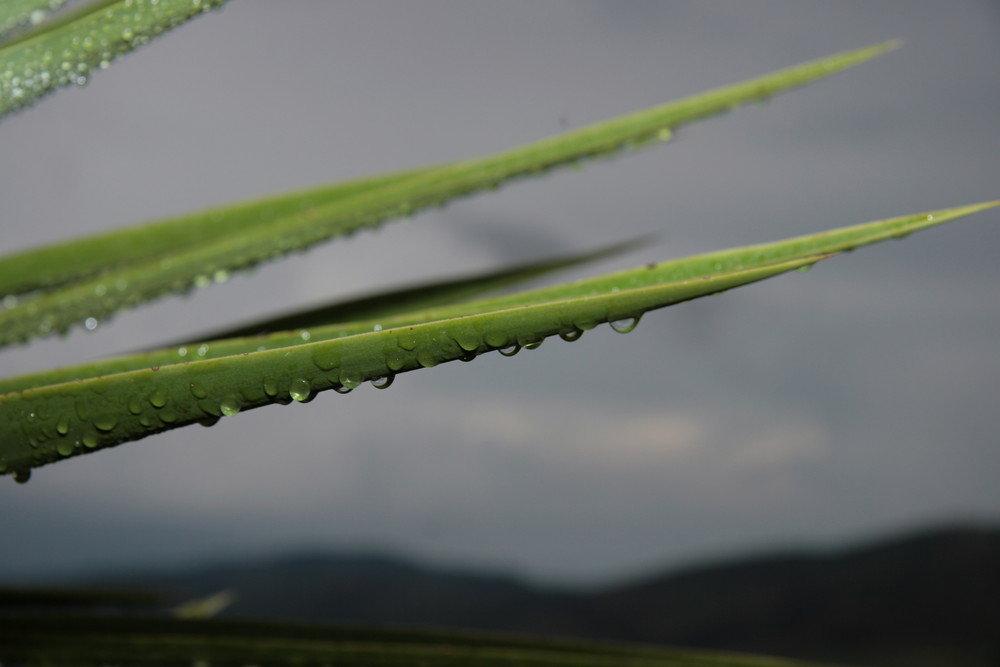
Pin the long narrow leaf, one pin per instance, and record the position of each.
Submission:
(69, 49)
(687, 268)
(194, 265)
(50, 423)
(142, 641)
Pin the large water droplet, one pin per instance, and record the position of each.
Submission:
(300, 390)
(90, 323)
(383, 381)
(158, 399)
(21, 476)
(197, 390)
(625, 325)
(571, 335)
(62, 428)
(134, 406)
(90, 440)
(510, 350)
(105, 423)
(64, 448)
(230, 406)
(270, 388)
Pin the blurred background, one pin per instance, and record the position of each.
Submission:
(817, 410)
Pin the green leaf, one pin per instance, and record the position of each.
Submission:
(412, 299)
(18, 13)
(49, 423)
(269, 229)
(678, 270)
(140, 641)
(69, 49)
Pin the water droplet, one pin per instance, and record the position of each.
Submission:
(168, 417)
(64, 448)
(350, 380)
(342, 390)
(534, 345)
(220, 276)
(571, 335)
(90, 323)
(182, 351)
(37, 16)
(90, 440)
(230, 406)
(62, 428)
(22, 476)
(804, 268)
(158, 399)
(377, 328)
(625, 325)
(305, 335)
(197, 390)
(300, 390)
(134, 406)
(270, 388)
(105, 423)
(202, 350)
(407, 340)
(209, 421)
(664, 134)
(383, 381)
(510, 350)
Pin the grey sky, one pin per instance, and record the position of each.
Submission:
(814, 408)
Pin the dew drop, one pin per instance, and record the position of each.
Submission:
(804, 268)
(202, 350)
(534, 345)
(158, 399)
(383, 381)
(64, 448)
(340, 389)
(197, 390)
(220, 276)
(230, 406)
(377, 328)
(209, 421)
(510, 350)
(349, 380)
(300, 390)
(305, 335)
(625, 325)
(270, 388)
(90, 323)
(407, 340)
(90, 440)
(134, 406)
(62, 428)
(571, 335)
(168, 417)
(105, 423)
(182, 351)
(22, 476)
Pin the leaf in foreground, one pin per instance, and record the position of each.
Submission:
(130, 398)
(50, 289)
(118, 640)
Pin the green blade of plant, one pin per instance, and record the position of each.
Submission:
(413, 299)
(62, 598)
(68, 50)
(57, 264)
(98, 297)
(18, 13)
(49, 423)
(688, 268)
(130, 640)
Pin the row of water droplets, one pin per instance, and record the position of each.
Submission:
(68, 55)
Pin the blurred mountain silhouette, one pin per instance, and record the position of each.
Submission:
(926, 600)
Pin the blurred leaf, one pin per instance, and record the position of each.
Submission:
(18, 13)
(140, 641)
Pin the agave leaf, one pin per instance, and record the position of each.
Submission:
(49, 423)
(684, 269)
(68, 50)
(139, 641)
(413, 299)
(191, 265)
(18, 13)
